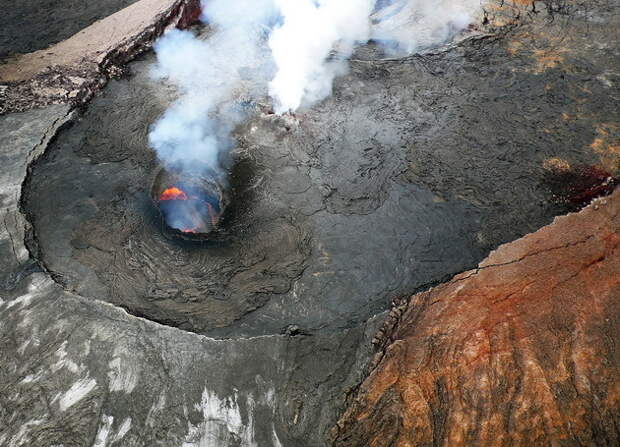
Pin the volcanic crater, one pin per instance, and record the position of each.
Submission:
(413, 170)
(404, 177)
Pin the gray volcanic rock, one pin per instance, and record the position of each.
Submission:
(80, 372)
(411, 172)
(321, 233)
(23, 137)
(29, 25)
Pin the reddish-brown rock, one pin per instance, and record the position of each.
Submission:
(524, 350)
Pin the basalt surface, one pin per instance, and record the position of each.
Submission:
(520, 351)
(48, 23)
(80, 372)
(409, 173)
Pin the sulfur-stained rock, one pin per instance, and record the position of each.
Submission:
(521, 351)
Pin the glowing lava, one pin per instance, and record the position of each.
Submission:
(173, 193)
(190, 203)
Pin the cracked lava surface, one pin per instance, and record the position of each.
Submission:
(410, 173)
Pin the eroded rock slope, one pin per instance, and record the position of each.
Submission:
(520, 351)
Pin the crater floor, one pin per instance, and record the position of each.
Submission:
(411, 172)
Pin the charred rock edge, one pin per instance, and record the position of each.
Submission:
(76, 86)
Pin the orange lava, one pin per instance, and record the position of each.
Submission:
(173, 193)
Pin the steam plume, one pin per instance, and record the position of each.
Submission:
(285, 47)
(405, 26)
(301, 47)
(207, 74)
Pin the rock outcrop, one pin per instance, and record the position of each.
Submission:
(29, 25)
(520, 351)
(76, 68)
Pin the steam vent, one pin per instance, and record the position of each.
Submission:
(343, 223)
(191, 203)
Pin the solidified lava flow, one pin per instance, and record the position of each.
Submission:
(268, 239)
(368, 196)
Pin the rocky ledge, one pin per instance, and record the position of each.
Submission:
(73, 70)
(519, 351)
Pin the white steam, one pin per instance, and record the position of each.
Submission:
(208, 73)
(405, 26)
(291, 48)
(301, 46)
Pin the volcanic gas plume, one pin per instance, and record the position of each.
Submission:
(290, 50)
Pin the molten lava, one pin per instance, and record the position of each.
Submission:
(190, 207)
(173, 193)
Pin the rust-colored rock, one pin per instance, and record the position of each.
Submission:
(524, 350)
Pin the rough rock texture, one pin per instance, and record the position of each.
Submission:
(310, 206)
(79, 372)
(520, 351)
(408, 174)
(23, 137)
(74, 69)
(48, 23)
(411, 172)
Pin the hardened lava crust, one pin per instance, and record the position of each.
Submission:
(409, 173)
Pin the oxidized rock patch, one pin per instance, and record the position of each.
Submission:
(519, 351)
